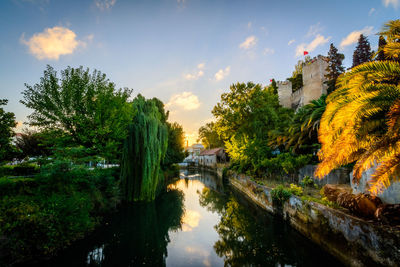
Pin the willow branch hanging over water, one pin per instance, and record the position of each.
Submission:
(144, 149)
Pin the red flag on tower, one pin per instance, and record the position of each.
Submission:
(270, 80)
(305, 52)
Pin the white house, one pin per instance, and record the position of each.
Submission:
(211, 157)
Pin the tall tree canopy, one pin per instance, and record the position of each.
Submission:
(381, 45)
(362, 53)
(301, 135)
(83, 105)
(209, 136)
(362, 119)
(143, 151)
(7, 123)
(335, 67)
(244, 116)
(176, 145)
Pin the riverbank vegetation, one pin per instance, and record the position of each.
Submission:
(356, 124)
(90, 148)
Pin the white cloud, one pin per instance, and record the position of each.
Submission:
(185, 100)
(352, 37)
(199, 73)
(314, 30)
(318, 40)
(372, 10)
(269, 51)
(222, 73)
(394, 3)
(291, 42)
(104, 4)
(249, 42)
(52, 43)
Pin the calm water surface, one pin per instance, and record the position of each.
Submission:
(197, 222)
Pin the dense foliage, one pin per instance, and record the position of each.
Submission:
(361, 121)
(362, 53)
(244, 117)
(175, 151)
(84, 106)
(335, 67)
(209, 136)
(143, 152)
(58, 206)
(7, 123)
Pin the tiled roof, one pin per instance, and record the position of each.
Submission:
(210, 151)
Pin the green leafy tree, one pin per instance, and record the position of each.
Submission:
(143, 152)
(31, 143)
(176, 139)
(209, 136)
(83, 105)
(335, 67)
(273, 87)
(244, 116)
(7, 123)
(362, 53)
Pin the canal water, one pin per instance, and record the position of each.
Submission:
(197, 222)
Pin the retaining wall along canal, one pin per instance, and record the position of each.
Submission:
(354, 241)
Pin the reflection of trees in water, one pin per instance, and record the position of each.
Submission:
(212, 200)
(141, 235)
(138, 235)
(245, 241)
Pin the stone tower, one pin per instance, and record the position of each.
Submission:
(313, 85)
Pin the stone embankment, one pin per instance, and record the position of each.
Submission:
(354, 241)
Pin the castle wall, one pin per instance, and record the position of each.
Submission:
(284, 93)
(313, 85)
(313, 79)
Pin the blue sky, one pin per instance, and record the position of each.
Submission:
(185, 52)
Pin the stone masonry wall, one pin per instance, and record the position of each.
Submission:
(352, 240)
(284, 93)
(313, 85)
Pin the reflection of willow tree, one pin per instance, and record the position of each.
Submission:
(212, 200)
(140, 235)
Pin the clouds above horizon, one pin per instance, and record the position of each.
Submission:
(250, 42)
(104, 4)
(197, 74)
(317, 41)
(184, 100)
(53, 43)
(222, 73)
(352, 37)
(394, 3)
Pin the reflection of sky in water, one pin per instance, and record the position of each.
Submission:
(193, 246)
(95, 256)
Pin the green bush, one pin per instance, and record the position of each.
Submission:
(296, 190)
(280, 195)
(60, 205)
(307, 181)
(22, 169)
(17, 186)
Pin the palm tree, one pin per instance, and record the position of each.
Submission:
(302, 133)
(362, 118)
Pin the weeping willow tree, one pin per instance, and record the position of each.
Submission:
(143, 151)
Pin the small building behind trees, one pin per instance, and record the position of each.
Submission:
(211, 157)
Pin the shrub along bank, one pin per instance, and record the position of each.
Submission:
(41, 215)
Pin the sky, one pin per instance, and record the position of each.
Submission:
(184, 52)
